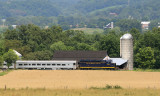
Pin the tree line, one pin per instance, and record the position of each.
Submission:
(35, 43)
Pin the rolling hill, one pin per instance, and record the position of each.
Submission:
(82, 10)
(13, 8)
(136, 8)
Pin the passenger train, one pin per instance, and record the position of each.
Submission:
(63, 65)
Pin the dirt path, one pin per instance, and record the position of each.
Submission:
(79, 79)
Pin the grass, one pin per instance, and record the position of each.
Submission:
(146, 70)
(5, 72)
(107, 87)
(90, 30)
(79, 92)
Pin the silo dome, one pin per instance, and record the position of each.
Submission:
(127, 36)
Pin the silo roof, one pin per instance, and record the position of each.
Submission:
(127, 36)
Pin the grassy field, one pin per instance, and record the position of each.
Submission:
(4, 72)
(147, 70)
(80, 92)
(79, 79)
(90, 30)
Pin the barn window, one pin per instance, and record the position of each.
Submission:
(43, 64)
(74, 63)
(58, 64)
(48, 64)
(53, 64)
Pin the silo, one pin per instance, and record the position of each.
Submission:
(126, 49)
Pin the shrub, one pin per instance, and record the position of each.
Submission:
(117, 87)
(108, 87)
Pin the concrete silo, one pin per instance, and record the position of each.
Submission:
(126, 50)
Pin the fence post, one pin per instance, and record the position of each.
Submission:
(5, 87)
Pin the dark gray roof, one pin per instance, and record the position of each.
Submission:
(79, 55)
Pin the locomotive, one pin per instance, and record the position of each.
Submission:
(96, 64)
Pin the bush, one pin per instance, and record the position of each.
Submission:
(108, 87)
(117, 87)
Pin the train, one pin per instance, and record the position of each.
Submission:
(63, 64)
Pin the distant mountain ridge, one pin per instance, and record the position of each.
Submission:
(12, 8)
(138, 9)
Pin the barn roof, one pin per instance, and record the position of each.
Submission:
(79, 55)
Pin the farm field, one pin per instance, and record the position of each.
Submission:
(90, 30)
(79, 79)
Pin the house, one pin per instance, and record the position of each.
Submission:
(145, 25)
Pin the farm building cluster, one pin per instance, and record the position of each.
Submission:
(71, 60)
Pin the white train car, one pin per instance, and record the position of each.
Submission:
(47, 65)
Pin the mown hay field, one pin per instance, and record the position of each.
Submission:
(79, 79)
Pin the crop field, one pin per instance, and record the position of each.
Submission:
(79, 79)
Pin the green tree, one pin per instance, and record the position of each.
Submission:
(10, 57)
(84, 46)
(1, 61)
(128, 24)
(39, 55)
(58, 46)
(145, 58)
(135, 33)
(2, 49)
(110, 43)
(24, 50)
(12, 44)
(157, 56)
